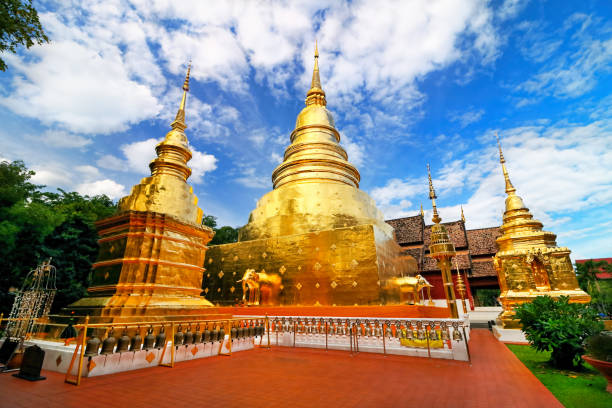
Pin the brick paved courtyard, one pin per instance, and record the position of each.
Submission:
(284, 377)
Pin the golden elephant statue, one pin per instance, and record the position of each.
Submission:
(412, 286)
(260, 288)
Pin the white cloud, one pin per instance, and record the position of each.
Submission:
(111, 188)
(110, 162)
(80, 88)
(60, 138)
(575, 71)
(250, 179)
(511, 8)
(200, 164)
(138, 155)
(467, 118)
(354, 150)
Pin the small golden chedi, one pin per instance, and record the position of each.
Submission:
(529, 263)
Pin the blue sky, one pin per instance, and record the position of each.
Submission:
(409, 83)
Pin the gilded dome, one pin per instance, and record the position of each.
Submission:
(514, 202)
(314, 115)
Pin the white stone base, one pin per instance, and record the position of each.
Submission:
(509, 335)
(58, 356)
(484, 314)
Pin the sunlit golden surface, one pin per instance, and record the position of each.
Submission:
(151, 257)
(316, 230)
(529, 263)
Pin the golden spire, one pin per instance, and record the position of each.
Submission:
(315, 93)
(509, 187)
(422, 212)
(462, 215)
(432, 196)
(179, 120)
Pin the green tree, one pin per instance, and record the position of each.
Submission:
(37, 224)
(600, 291)
(559, 327)
(19, 26)
(223, 235)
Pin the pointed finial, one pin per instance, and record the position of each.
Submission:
(186, 83)
(316, 93)
(462, 215)
(509, 187)
(422, 212)
(432, 196)
(179, 120)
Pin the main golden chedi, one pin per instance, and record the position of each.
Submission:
(316, 238)
(152, 251)
(529, 263)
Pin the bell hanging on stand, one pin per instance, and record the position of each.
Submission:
(124, 342)
(149, 340)
(108, 346)
(206, 335)
(188, 336)
(444, 332)
(214, 335)
(197, 336)
(234, 333)
(221, 335)
(136, 341)
(433, 334)
(456, 333)
(160, 339)
(93, 344)
(179, 336)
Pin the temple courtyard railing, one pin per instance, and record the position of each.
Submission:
(88, 350)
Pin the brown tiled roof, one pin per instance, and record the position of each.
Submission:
(430, 264)
(408, 230)
(456, 233)
(483, 268)
(482, 241)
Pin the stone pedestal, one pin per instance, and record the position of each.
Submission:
(149, 267)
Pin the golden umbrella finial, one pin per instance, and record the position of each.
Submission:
(432, 196)
(315, 94)
(509, 187)
(422, 212)
(462, 215)
(179, 120)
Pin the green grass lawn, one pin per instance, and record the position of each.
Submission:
(580, 389)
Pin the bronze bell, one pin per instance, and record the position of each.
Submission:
(179, 336)
(445, 333)
(234, 333)
(136, 341)
(251, 331)
(108, 346)
(93, 344)
(197, 336)
(149, 340)
(433, 334)
(206, 336)
(160, 339)
(124, 342)
(188, 336)
(456, 333)
(221, 334)
(214, 335)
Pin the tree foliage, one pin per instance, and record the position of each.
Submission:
(559, 327)
(223, 235)
(36, 225)
(19, 26)
(600, 291)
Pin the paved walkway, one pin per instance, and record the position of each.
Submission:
(284, 377)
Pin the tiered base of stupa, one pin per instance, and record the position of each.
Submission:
(149, 268)
(348, 266)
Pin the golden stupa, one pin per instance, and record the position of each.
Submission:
(316, 238)
(151, 257)
(529, 263)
